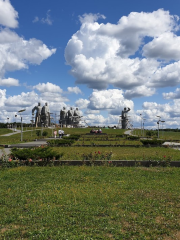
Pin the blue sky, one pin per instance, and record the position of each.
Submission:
(100, 56)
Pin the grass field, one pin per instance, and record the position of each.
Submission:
(90, 203)
(121, 153)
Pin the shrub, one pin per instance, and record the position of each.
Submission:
(45, 133)
(73, 136)
(35, 153)
(133, 137)
(38, 133)
(150, 133)
(152, 142)
(60, 142)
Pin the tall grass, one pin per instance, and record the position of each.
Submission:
(89, 203)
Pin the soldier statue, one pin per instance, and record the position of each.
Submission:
(45, 115)
(63, 116)
(125, 118)
(38, 114)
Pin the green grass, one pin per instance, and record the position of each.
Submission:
(5, 131)
(89, 203)
(121, 153)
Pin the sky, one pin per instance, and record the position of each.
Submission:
(100, 56)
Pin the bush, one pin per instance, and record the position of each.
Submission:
(133, 137)
(38, 133)
(45, 133)
(35, 153)
(152, 142)
(60, 142)
(150, 133)
(120, 135)
(73, 136)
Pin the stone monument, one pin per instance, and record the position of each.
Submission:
(38, 109)
(69, 117)
(125, 118)
(42, 115)
(63, 116)
(45, 115)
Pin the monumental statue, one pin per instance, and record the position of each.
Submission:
(125, 118)
(70, 117)
(38, 109)
(45, 115)
(63, 116)
(42, 115)
(76, 116)
(70, 114)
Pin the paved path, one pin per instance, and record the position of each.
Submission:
(128, 132)
(12, 133)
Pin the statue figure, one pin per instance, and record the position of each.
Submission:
(76, 116)
(63, 116)
(45, 115)
(70, 114)
(125, 118)
(38, 114)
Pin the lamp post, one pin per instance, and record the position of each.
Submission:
(20, 111)
(158, 122)
(141, 122)
(15, 123)
(162, 127)
(52, 124)
(143, 126)
(42, 127)
(7, 122)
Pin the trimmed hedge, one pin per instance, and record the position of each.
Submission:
(35, 153)
(133, 137)
(60, 142)
(73, 136)
(152, 142)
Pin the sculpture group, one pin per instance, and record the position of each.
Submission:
(42, 116)
(69, 117)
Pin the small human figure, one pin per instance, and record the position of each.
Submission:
(60, 133)
(99, 131)
(55, 134)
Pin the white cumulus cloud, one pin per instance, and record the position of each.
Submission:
(8, 15)
(75, 90)
(128, 55)
(48, 87)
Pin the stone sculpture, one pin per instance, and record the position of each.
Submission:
(63, 116)
(45, 115)
(125, 118)
(38, 109)
(70, 117)
(42, 115)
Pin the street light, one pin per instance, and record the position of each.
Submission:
(7, 122)
(15, 123)
(162, 127)
(141, 122)
(143, 126)
(20, 111)
(158, 122)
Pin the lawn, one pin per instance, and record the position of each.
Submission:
(120, 153)
(90, 203)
